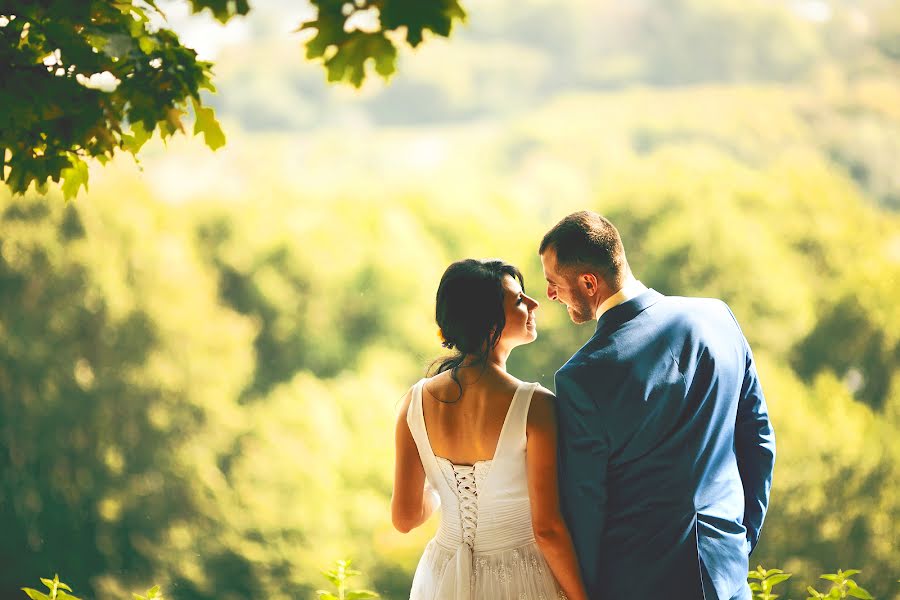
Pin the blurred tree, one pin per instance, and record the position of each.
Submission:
(887, 23)
(318, 310)
(866, 359)
(725, 40)
(102, 385)
(86, 79)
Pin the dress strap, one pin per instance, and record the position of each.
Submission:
(512, 437)
(415, 418)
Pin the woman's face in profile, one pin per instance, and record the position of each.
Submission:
(521, 327)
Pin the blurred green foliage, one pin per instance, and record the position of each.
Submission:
(198, 375)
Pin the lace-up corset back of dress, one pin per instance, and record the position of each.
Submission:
(484, 506)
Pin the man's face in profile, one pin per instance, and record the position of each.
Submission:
(563, 286)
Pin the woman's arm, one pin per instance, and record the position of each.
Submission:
(410, 505)
(550, 529)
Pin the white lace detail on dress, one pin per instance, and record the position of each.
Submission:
(467, 492)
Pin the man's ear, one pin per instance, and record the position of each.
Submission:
(589, 281)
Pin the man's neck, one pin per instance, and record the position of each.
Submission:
(631, 287)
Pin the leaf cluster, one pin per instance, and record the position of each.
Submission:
(61, 591)
(58, 590)
(843, 586)
(81, 80)
(344, 48)
(764, 582)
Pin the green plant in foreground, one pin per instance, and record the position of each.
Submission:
(61, 591)
(338, 577)
(58, 590)
(762, 588)
(843, 587)
(767, 580)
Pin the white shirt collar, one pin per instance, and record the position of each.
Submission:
(631, 289)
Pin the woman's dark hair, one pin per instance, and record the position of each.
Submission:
(469, 311)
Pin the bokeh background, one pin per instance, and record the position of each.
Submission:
(202, 356)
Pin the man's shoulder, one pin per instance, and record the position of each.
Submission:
(577, 363)
(692, 303)
(701, 320)
(669, 316)
(587, 362)
(690, 311)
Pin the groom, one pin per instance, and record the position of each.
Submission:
(666, 450)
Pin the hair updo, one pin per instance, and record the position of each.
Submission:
(469, 310)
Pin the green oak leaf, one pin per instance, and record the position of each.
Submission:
(73, 178)
(417, 16)
(207, 124)
(137, 138)
(349, 62)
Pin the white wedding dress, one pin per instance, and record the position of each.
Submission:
(485, 548)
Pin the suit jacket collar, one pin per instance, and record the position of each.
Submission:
(622, 313)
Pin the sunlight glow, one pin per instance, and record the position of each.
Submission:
(203, 32)
(816, 11)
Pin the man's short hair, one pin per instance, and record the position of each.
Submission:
(587, 240)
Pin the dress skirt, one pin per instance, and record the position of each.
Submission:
(510, 574)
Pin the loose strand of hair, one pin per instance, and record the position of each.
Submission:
(454, 364)
(448, 363)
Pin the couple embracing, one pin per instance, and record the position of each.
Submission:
(646, 476)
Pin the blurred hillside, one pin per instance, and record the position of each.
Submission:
(202, 358)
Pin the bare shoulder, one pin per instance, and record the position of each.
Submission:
(504, 383)
(542, 412)
(543, 396)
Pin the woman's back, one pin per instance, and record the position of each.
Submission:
(485, 545)
(465, 428)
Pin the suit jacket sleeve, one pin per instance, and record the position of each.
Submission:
(583, 457)
(755, 448)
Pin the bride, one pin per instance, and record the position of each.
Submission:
(481, 444)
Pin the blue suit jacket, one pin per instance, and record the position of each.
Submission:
(665, 450)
